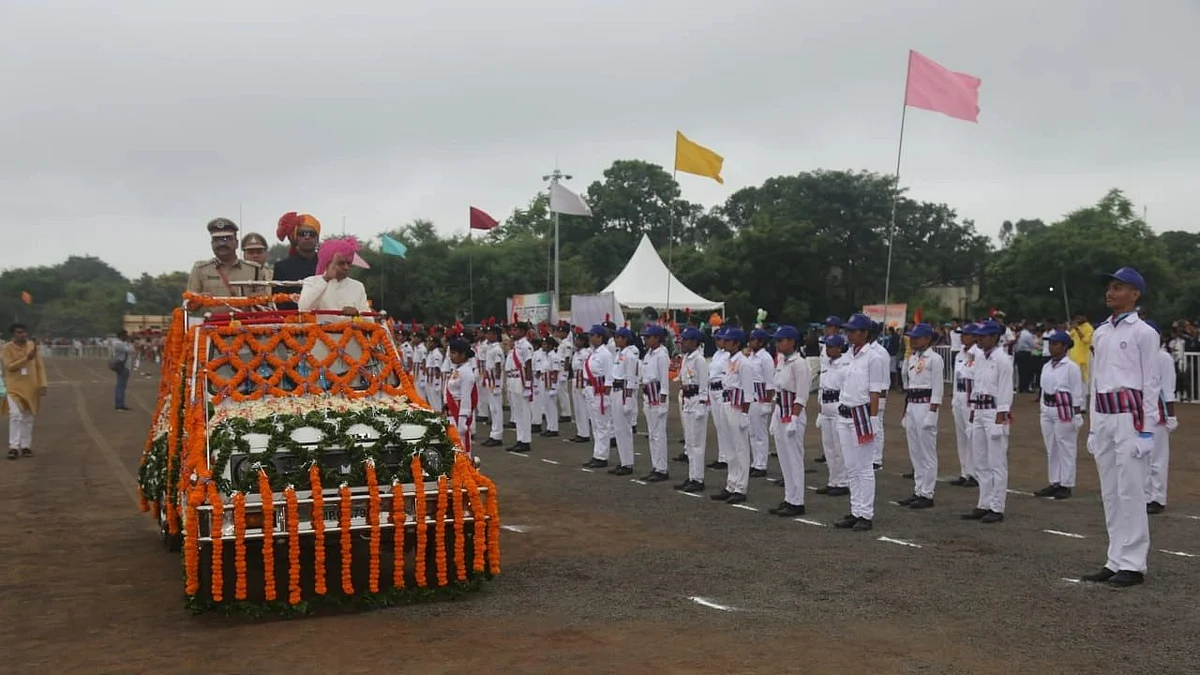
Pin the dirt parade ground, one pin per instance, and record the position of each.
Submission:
(609, 575)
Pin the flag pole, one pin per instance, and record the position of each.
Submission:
(382, 273)
(554, 179)
(887, 282)
(470, 277)
(671, 234)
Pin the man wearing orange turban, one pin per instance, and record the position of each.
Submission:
(303, 233)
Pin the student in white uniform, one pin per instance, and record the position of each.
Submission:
(833, 373)
(1063, 397)
(579, 384)
(831, 327)
(550, 382)
(491, 380)
(737, 389)
(518, 374)
(566, 348)
(792, 381)
(1126, 383)
(538, 405)
(461, 397)
(991, 406)
(624, 378)
(1165, 420)
(433, 372)
(656, 389)
(858, 410)
(964, 375)
(693, 407)
(762, 369)
(597, 370)
(925, 384)
(716, 386)
(420, 375)
(882, 362)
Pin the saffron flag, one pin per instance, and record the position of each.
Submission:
(393, 247)
(932, 87)
(480, 220)
(697, 159)
(566, 202)
(26, 297)
(919, 314)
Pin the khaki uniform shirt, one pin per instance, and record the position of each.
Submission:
(206, 278)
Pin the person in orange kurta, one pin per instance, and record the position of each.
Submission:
(25, 380)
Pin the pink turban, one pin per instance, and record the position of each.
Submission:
(347, 246)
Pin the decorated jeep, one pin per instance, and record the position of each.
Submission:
(292, 461)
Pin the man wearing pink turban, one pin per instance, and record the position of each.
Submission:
(331, 288)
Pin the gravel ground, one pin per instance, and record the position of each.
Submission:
(601, 573)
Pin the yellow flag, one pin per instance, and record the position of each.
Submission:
(697, 159)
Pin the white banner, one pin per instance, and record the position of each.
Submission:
(589, 310)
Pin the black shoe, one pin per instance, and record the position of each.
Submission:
(721, 496)
(681, 457)
(846, 523)
(565, 419)
(510, 425)
(839, 491)
(820, 460)
(1104, 574)
(14, 453)
(776, 509)
(656, 477)
(579, 439)
(959, 481)
(907, 500)
(1126, 578)
(1151, 508)
(536, 428)
(758, 473)
(790, 510)
(492, 443)
(549, 434)
(1047, 491)
(717, 466)
(26, 452)
(921, 503)
(520, 447)
(594, 463)
(121, 407)
(863, 525)
(908, 475)
(736, 498)
(634, 432)
(622, 471)
(1062, 492)
(693, 486)
(971, 482)
(975, 514)
(877, 467)
(810, 471)
(824, 490)
(992, 517)
(682, 441)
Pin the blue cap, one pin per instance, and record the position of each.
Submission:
(858, 322)
(836, 341)
(969, 329)
(759, 334)
(1152, 324)
(786, 332)
(1060, 336)
(833, 320)
(598, 329)
(654, 330)
(735, 334)
(1128, 275)
(719, 333)
(989, 328)
(691, 334)
(921, 330)
(624, 332)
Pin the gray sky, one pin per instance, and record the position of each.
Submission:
(128, 124)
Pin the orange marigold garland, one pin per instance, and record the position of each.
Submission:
(439, 533)
(460, 546)
(293, 528)
(239, 545)
(191, 549)
(419, 513)
(347, 543)
(268, 528)
(493, 510)
(373, 521)
(217, 532)
(478, 515)
(398, 518)
(318, 523)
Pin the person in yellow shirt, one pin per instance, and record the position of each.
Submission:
(1081, 351)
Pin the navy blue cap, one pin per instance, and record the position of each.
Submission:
(624, 332)
(858, 322)
(969, 329)
(989, 328)
(921, 330)
(598, 329)
(759, 334)
(833, 320)
(654, 330)
(735, 334)
(836, 341)
(1128, 275)
(691, 334)
(1060, 336)
(786, 332)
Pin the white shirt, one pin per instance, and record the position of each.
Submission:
(1062, 375)
(1167, 366)
(655, 374)
(493, 357)
(764, 375)
(693, 372)
(739, 379)
(1125, 356)
(433, 372)
(964, 374)
(406, 355)
(460, 386)
(881, 379)
(597, 368)
(419, 353)
(625, 367)
(336, 295)
(521, 354)
(539, 367)
(833, 374)
(717, 368)
(793, 380)
(858, 378)
(994, 377)
(926, 370)
(577, 361)
(956, 340)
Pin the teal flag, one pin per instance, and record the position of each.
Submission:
(393, 247)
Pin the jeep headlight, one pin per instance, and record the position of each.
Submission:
(431, 461)
(242, 468)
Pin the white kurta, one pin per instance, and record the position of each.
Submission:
(336, 295)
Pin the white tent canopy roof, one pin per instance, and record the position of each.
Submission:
(644, 283)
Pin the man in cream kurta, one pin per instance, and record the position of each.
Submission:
(334, 290)
(25, 380)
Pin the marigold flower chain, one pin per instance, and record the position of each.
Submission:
(439, 533)
(398, 518)
(217, 532)
(191, 548)
(268, 540)
(460, 546)
(239, 545)
(293, 528)
(419, 514)
(318, 523)
(373, 520)
(479, 513)
(347, 543)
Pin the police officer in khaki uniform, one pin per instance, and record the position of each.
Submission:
(213, 276)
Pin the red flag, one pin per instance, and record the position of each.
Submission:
(932, 87)
(481, 220)
(917, 314)
(26, 297)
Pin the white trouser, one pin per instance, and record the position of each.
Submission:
(694, 416)
(549, 410)
(721, 422)
(835, 460)
(420, 385)
(463, 424)
(20, 426)
(538, 405)
(1156, 471)
(859, 472)
(564, 401)
(656, 426)
(921, 429)
(789, 445)
(600, 411)
(989, 441)
(877, 427)
(962, 437)
(760, 444)
(737, 476)
(583, 416)
(1060, 439)
(494, 401)
(1121, 459)
(520, 407)
(623, 413)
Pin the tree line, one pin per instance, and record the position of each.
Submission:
(801, 247)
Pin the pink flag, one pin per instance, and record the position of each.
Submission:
(932, 87)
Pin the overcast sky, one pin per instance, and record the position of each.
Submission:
(128, 124)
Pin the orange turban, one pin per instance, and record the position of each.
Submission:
(292, 221)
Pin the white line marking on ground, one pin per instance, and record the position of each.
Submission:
(1019, 492)
(549, 461)
(1065, 534)
(639, 482)
(1072, 581)
(515, 528)
(809, 522)
(744, 506)
(1178, 553)
(587, 471)
(811, 488)
(519, 454)
(899, 541)
(1193, 517)
(710, 604)
(690, 494)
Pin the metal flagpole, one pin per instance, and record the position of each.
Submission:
(887, 283)
(471, 277)
(554, 179)
(671, 240)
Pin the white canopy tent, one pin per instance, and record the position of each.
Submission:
(646, 282)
